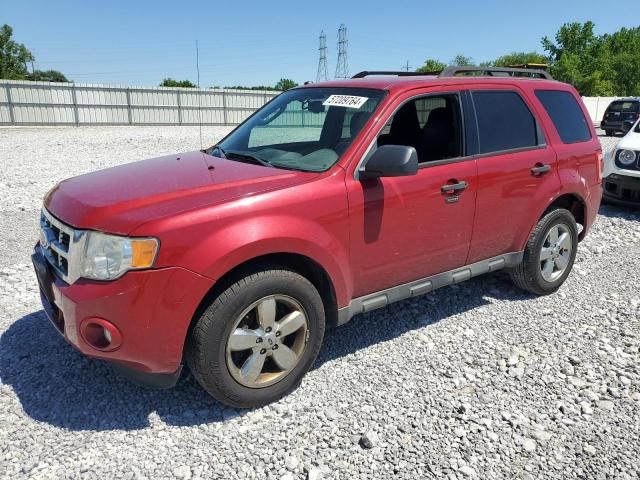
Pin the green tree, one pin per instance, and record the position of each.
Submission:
(462, 61)
(46, 76)
(431, 65)
(170, 82)
(13, 56)
(582, 58)
(285, 84)
(519, 58)
(622, 50)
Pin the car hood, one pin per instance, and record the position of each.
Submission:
(119, 199)
(631, 141)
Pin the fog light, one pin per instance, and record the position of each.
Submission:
(100, 334)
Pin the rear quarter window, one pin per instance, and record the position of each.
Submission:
(566, 115)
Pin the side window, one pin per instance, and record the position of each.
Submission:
(566, 115)
(431, 124)
(504, 121)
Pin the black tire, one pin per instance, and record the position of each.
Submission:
(528, 275)
(608, 133)
(206, 353)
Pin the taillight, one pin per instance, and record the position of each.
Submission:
(600, 165)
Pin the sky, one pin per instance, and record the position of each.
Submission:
(140, 42)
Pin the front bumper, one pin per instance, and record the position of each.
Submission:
(622, 190)
(152, 310)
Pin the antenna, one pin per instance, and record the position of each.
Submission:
(199, 93)
(342, 67)
(322, 75)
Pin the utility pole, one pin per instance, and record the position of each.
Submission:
(342, 67)
(406, 67)
(322, 75)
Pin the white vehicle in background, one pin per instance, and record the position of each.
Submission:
(622, 170)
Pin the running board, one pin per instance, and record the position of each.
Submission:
(383, 298)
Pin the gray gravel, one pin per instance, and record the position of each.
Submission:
(476, 380)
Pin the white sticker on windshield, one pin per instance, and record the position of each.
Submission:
(349, 101)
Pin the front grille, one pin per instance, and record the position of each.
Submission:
(61, 246)
(623, 188)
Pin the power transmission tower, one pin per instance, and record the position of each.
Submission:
(342, 67)
(322, 75)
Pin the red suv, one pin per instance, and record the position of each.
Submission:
(332, 200)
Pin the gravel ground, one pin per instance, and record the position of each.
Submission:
(473, 381)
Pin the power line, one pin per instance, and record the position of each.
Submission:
(322, 75)
(342, 66)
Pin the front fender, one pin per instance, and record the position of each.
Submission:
(240, 242)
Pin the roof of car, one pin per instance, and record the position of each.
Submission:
(398, 83)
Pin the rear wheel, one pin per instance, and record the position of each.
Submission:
(608, 133)
(257, 339)
(549, 255)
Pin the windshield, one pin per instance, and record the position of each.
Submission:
(302, 129)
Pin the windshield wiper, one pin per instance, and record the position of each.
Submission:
(245, 156)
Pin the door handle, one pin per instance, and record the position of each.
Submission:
(454, 187)
(540, 169)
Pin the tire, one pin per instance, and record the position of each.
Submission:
(219, 367)
(529, 275)
(608, 133)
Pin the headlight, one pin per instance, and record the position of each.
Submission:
(626, 157)
(107, 257)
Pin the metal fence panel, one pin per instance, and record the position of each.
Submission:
(46, 103)
(4, 114)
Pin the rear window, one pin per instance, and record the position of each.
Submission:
(619, 106)
(566, 115)
(504, 121)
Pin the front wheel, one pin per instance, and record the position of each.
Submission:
(549, 254)
(257, 339)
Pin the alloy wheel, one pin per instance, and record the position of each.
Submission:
(556, 252)
(267, 341)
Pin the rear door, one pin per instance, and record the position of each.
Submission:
(517, 171)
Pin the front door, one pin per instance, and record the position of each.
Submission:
(407, 228)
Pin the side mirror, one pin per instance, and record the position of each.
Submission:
(391, 161)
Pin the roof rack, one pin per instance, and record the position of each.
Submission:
(458, 71)
(496, 72)
(368, 73)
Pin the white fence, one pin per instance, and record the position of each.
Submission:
(46, 103)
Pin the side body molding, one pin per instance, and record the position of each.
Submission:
(383, 298)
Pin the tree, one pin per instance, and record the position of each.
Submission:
(46, 76)
(13, 56)
(519, 58)
(596, 64)
(431, 65)
(285, 84)
(462, 61)
(576, 58)
(170, 82)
